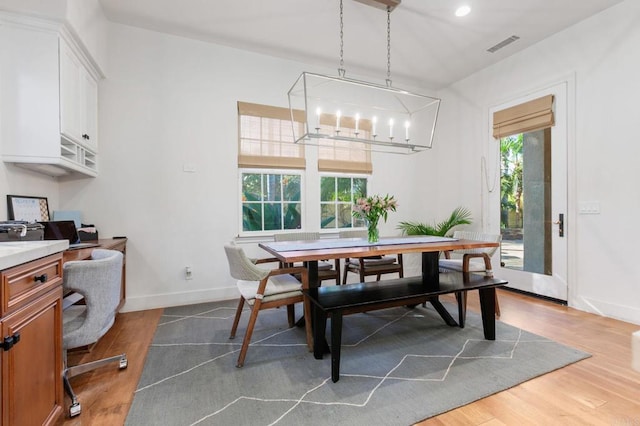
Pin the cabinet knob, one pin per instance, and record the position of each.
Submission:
(42, 278)
(9, 341)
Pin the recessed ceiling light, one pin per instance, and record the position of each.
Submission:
(463, 10)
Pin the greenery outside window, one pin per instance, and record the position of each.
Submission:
(271, 201)
(337, 196)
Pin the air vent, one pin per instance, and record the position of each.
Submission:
(503, 43)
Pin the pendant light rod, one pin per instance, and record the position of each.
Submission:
(388, 46)
(341, 70)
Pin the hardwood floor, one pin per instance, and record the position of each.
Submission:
(601, 390)
(106, 393)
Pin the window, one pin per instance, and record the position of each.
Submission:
(271, 187)
(271, 201)
(266, 138)
(337, 195)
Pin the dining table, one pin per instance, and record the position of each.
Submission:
(310, 252)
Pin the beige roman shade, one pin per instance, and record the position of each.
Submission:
(266, 137)
(527, 117)
(340, 156)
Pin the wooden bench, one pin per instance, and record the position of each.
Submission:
(336, 301)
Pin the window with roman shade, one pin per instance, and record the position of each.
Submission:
(338, 156)
(527, 117)
(266, 137)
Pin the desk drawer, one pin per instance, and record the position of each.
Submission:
(24, 283)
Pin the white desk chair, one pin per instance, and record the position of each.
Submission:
(98, 280)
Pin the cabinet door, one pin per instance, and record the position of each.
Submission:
(70, 94)
(78, 100)
(32, 368)
(29, 94)
(89, 110)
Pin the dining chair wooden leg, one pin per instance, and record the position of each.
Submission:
(247, 335)
(236, 320)
(290, 315)
(344, 276)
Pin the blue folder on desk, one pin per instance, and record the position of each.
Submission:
(73, 215)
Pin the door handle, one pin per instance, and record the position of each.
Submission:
(560, 223)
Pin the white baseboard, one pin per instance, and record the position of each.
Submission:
(141, 303)
(611, 310)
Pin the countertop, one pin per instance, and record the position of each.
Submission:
(14, 253)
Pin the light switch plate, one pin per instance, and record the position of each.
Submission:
(589, 207)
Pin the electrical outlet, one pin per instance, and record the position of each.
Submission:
(188, 273)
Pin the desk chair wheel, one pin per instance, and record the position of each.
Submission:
(123, 362)
(75, 409)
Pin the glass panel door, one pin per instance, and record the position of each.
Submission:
(525, 202)
(531, 206)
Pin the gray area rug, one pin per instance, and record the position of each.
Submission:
(399, 366)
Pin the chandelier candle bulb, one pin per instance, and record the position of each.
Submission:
(407, 124)
(391, 128)
(374, 121)
(318, 113)
(357, 120)
(338, 114)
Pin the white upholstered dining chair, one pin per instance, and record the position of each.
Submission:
(470, 260)
(326, 271)
(265, 289)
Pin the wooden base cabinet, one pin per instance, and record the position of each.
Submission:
(31, 354)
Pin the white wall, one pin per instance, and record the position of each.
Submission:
(88, 21)
(84, 17)
(53, 9)
(169, 101)
(603, 54)
(17, 181)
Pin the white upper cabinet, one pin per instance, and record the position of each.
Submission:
(78, 100)
(49, 102)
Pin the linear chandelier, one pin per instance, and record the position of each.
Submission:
(354, 114)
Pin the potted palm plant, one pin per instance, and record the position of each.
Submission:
(459, 216)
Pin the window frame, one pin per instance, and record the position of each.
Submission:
(269, 171)
(351, 176)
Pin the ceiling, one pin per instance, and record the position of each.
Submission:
(430, 46)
